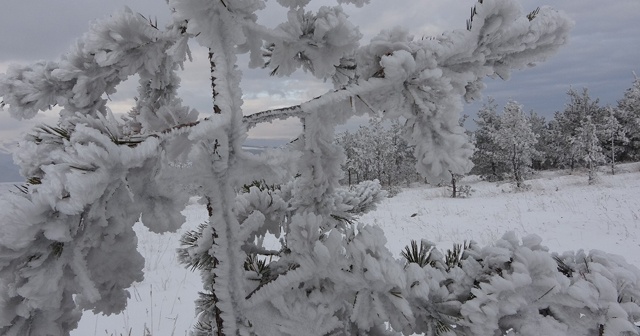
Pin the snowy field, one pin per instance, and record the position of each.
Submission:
(566, 212)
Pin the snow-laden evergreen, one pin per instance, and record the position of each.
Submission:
(539, 126)
(613, 134)
(628, 114)
(566, 133)
(589, 147)
(67, 243)
(487, 158)
(560, 142)
(517, 142)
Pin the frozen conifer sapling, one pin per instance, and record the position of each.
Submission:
(67, 243)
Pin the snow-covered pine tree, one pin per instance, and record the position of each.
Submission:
(347, 141)
(364, 155)
(516, 141)
(458, 190)
(628, 115)
(590, 149)
(554, 153)
(67, 243)
(403, 161)
(567, 122)
(543, 146)
(613, 134)
(487, 160)
(377, 143)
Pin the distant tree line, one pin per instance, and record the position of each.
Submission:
(378, 151)
(583, 135)
(513, 144)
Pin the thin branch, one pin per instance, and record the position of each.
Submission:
(252, 120)
(254, 249)
(366, 104)
(342, 94)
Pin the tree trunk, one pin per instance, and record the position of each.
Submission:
(219, 191)
(592, 174)
(454, 190)
(572, 165)
(516, 168)
(613, 157)
(216, 110)
(494, 170)
(216, 311)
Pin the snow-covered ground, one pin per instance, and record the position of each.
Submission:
(163, 304)
(563, 209)
(566, 212)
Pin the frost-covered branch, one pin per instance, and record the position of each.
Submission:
(399, 76)
(268, 116)
(68, 242)
(109, 53)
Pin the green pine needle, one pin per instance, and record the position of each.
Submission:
(22, 188)
(54, 131)
(189, 241)
(420, 256)
(56, 249)
(442, 328)
(533, 14)
(34, 180)
(563, 267)
(255, 264)
(454, 257)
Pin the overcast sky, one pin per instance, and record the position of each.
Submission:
(602, 53)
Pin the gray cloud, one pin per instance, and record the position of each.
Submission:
(45, 29)
(601, 55)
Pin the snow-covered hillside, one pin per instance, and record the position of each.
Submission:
(566, 212)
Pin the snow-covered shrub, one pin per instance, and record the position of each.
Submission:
(67, 243)
(465, 191)
(519, 287)
(393, 191)
(457, 190)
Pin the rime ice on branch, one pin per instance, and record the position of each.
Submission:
(68, 245)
